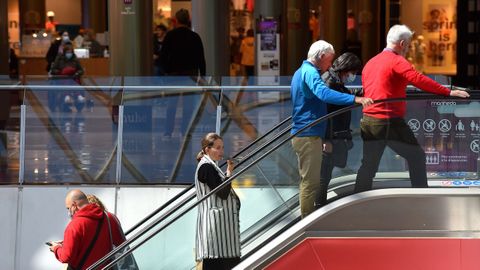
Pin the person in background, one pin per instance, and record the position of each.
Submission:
(86, 238)
(386, 76)
(68, 68)
(217, 243)
(94, 199)
(247, 50)
(182, 55)
(51, 24)
(310, 96)
(90, 42)
(12, 64)
(314, 25)
(158, 37)
(351, 22)
(78, 40)
(129, 261)
(235, 55)
(338, 137)
(67, 64)
(56, 48)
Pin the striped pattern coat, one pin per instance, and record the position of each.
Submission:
(218, 226)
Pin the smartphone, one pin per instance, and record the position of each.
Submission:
(48, 243)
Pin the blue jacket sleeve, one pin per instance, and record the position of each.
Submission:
(319, 89)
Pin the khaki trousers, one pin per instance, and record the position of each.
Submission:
(309, 153)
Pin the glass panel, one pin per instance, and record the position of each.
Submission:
(163, 127)
(448, 132)
(71, 132)
(251, 107)
(175, 242)
(10, 101)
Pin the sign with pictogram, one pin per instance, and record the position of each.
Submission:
(448, 131)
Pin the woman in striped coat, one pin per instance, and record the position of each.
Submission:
(218, 228)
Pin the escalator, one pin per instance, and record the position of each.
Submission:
(266, 181)
(260, 143)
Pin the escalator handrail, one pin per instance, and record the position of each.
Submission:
(476, 95)
(184, 191)
(174, 209)
(156, 211)
(260, 138)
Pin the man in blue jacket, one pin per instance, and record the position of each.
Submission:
(309, 97)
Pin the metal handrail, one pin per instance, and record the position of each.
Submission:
(235, 175)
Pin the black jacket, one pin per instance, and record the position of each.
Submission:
(52, 53)
(182, 53)
(338, 127)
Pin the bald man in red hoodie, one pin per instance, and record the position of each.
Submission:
(386, 76)
(79, 235)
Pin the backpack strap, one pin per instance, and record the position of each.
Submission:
(110, 231)
(89, 249)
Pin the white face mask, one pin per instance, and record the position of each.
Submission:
(350, 78)
(68, 55)
(65, 38)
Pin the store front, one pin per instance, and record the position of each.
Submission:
(434, 47)
(359, 25)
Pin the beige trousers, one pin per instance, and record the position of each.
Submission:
(309, 153)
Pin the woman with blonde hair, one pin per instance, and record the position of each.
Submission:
(94, 199)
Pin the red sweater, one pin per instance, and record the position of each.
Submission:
(386, 76)
(80, 232)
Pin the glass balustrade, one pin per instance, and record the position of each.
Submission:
(72, 127)
(70, 132)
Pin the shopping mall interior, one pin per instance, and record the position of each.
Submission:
(126, 28)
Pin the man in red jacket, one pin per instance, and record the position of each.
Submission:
(386, 76)
(87, 218)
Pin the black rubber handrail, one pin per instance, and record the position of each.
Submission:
(412, 96)
(174, 209)
(184, 191)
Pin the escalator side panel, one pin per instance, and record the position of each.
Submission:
(381, 253)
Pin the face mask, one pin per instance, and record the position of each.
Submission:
(65, 38)
(68, 55)
(350, 78)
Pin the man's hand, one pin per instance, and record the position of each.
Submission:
(459, 93)
(364, 101)
(54, 244)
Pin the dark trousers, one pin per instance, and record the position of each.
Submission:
(249, 70)
(220, 263)
(325, 177)
(396, 134)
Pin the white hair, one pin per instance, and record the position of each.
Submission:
(398, 33)
(319, 48)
